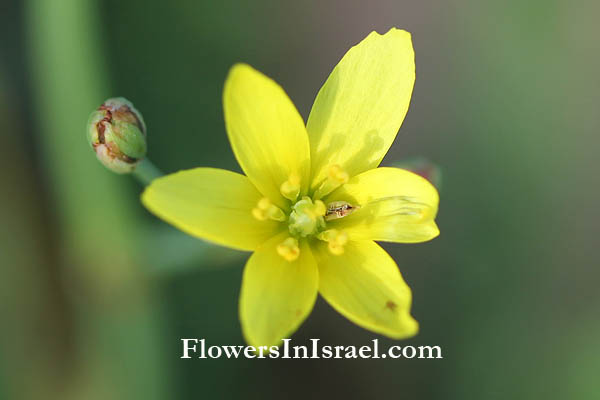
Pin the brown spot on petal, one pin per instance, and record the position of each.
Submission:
(391, 305)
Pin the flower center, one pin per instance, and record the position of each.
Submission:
(308, 216)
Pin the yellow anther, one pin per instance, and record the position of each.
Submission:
(335, 239)
(264, 203)
(259, 214)
(266, 210)
(290, 189)
(337, 174)
(288, 249)
(276, 214)
(336, 249)
(336, 177)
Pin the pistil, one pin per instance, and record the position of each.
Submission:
(307, 217)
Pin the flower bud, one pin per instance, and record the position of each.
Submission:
(117, 133)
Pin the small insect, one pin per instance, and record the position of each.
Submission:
(339, 209)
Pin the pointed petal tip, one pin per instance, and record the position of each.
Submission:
(393, 31)
(234, 72)
(240, 67)
(258, 342)
(409, 329)
(435, 230)
(399, 32)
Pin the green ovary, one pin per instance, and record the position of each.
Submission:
(306, 217)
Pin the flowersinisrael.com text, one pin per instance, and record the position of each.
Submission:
(197, 348)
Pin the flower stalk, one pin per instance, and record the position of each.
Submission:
(145, 172)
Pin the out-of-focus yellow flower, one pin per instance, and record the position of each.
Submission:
(313, 201)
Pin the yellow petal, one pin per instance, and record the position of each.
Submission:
(361, 106)
(211, 204)
(364, 285)
(266, 132)
(396, 205)
(277, 294)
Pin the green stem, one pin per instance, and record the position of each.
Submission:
(146, 172)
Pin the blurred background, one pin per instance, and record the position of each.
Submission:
(96, 293)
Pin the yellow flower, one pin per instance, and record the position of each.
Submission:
(313, 201)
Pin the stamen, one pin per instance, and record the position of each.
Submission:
(336, 177)
(265, 210)
(290, 189)
(337, 174)
(335, 239)
(288, 249)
